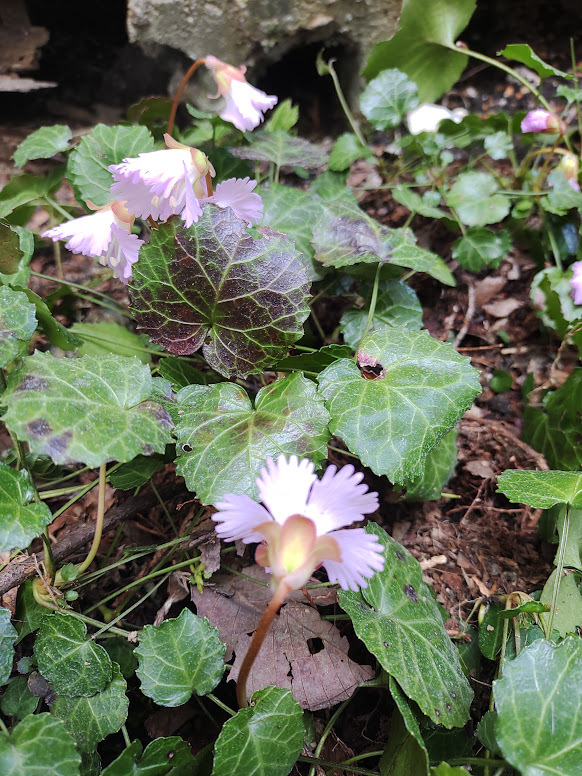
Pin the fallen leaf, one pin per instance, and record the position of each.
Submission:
(177, 590)
(503, 308)
(487, 288)
(481, 469)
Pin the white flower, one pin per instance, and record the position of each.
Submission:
(237, 193)
(245, 105)
(106, 235)
(427, 117)
(302, 523)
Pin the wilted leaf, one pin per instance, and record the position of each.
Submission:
(17, 323)
(265, 738)
(282, 149)
(38, 745)
(72, 663)
(179, 657)
(223, 442)
(539, 728)
(388, 98)
(87, 168)
(42, 144)
(91, 409)
(90, 720)
(399, 621)
(21, 518)
(474, 198)
(244, 300)
(394, 406)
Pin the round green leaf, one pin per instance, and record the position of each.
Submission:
(539, 726)
(179, 657)
(20, 520)
(396, 305)
(473, 196)
(388, 98)
(480, 247)
(74, 664)
(424, 46)
(419, 389)
(541, 489)
(400, 622)
(282, 149)
(90, 720)
(225, 442)
(17, 323)
(42, 144)
(266, 738)
(38, 745)
(87, 168)
(214, 285)
(91, 409)
(498, 145)
(8, 636)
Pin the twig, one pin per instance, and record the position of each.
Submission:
(468, 315)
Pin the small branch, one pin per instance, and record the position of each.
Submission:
(468, 316)
(180, 91)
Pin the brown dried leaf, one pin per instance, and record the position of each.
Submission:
(177, 590)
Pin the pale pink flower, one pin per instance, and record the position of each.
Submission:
(300, 520)
(106, 235)
(159, 184)
(576, 281)
(237, 193)
(245, 105)
(542, 121)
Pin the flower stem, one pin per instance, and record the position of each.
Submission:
(180, 91)
(343, 102)
(373, 300)
(99, 521)
(267, 618)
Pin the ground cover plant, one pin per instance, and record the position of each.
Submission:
(248, 342)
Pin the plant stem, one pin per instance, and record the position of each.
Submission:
(327, 731)
(559, 568)
(373, 300)
(343, 102)
(220, 704)
(180, 91)
(99, 520)
(125, 735)
(267, 618)
(335, 766)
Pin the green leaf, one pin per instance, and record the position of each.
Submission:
(23, 189)
(74, 664)
(90, 720)
(410, 392)
(480, 247)
(91, 409)
(43, 144)
(405, 752)
(415, 203)
(551, 296)
(315, 362)
(498, 145)
(162, 757)
(541, 489)
(109, 337)
(219, 424)
(491, 631)
(438, 469)
(55, 332)
(345, 235)
(282, 149)
(573, 539)
(444, 769)
(29, 613)
(486, 732)
(561, 196)
(243, 299)
(400, 622)
(266, 738)
(423, 47)
(16, 249)
(396, 305)
(388, 98)
(568, 615)
(122, 653)
(473, 196)
(38, 745)
(87, 166)
(569, 94)
(284, 117)
(500, 381)
(21, 518)
(521, 52)
(136, 473)
(180, 373)
(346, 149)
(179, 657)
(539, 727)
(17, 324)
(8, 636)
(17, 700)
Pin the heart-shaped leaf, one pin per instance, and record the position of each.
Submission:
(162, 757)
(219, 423)
(42, 144)
(388, 98)
(90, 720)
(265, 738)
(541, 489)
(394, 406)
(399, 621)
(396, 305)
(480, 247)
(20, 520)
(214, 285)
(179, 657)
(344, 235)
(282, 149)
(87, 168)
(474, 198)
(74, 664)
(424, 46)
(17, 323)
(8, 637)
(38, 744)
(539, 727)
(91, 409)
